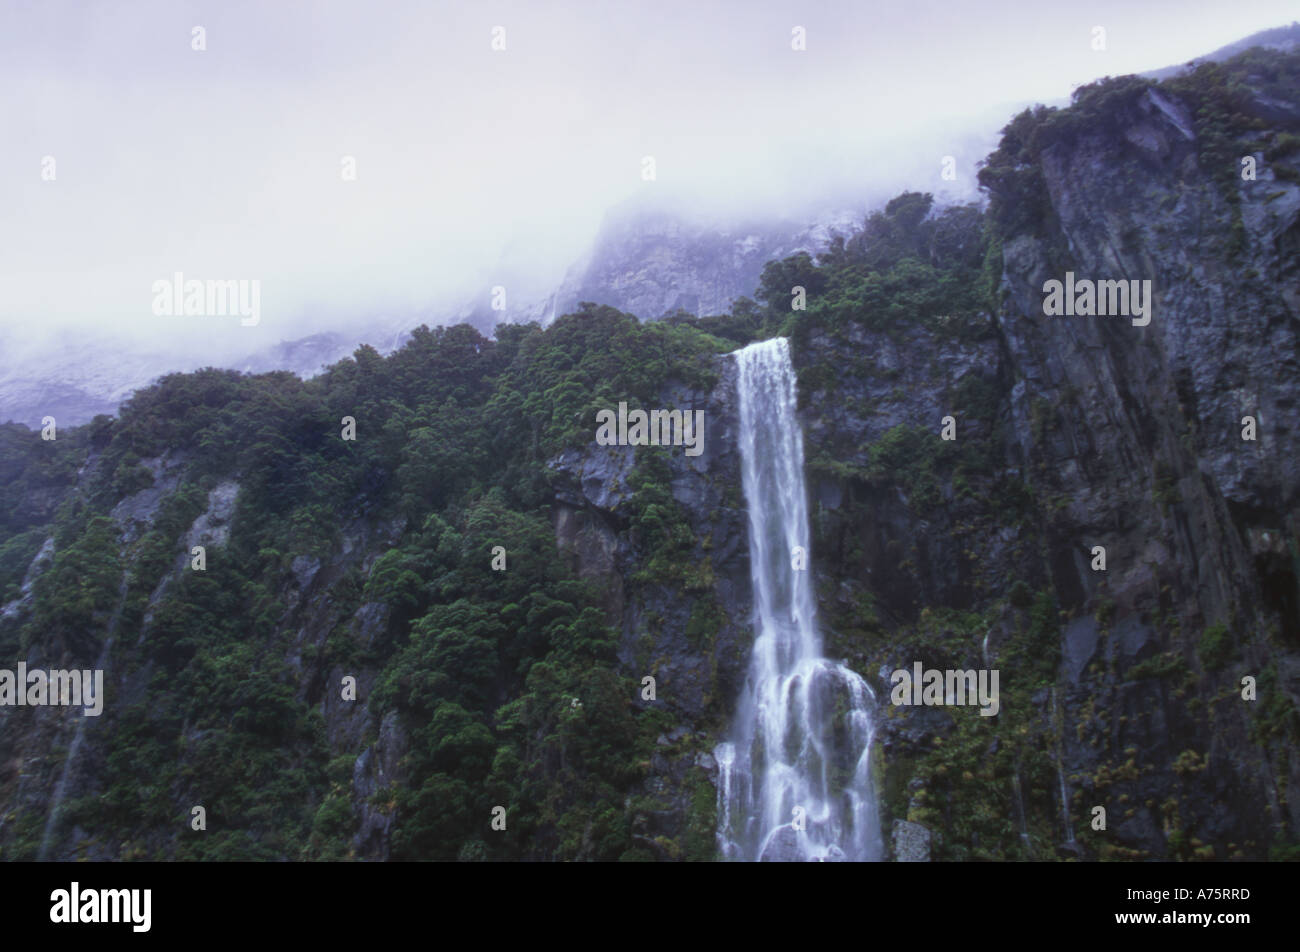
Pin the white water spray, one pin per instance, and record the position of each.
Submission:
(795, 778)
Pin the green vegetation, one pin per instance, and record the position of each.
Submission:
(503, 688)
(505, 682)
(1222, 99)
(1167, 665)
(905, 267)
(979, 776)
(910, 457)
(1216, 648)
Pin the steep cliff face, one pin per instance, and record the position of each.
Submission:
(58, 761)
(1122, 688)
(1098, 433)
(584, 686)
(693, 639)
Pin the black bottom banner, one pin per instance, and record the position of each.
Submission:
(183, 902)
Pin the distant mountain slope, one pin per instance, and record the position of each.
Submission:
(651, 263)
(1282, 38)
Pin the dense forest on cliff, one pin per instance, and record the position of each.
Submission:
(521, 687)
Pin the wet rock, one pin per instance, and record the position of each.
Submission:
(135, 513)
(1080, 647)
(911, 842)
(376, 768)
(212, 527)
(1136, 641)
(782, 846)
(304, 569)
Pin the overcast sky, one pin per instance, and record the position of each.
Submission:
(225, 163)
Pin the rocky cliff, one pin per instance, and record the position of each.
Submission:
(1161, 686)
(1100, 433)
(1123, 687)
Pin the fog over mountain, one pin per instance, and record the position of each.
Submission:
(133, 156)
(841, 437)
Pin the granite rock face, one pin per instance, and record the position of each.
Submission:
(1098, 432)
(695, 644)
(1130, 438)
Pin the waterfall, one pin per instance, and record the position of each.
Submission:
(1020, 811)
(1065, 805)
(69, 763)
(1060, 770)
(795, 776)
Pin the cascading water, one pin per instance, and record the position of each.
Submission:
(794, 779)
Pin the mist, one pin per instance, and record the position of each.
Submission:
(472, 163)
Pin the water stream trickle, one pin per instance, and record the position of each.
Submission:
(70, 762)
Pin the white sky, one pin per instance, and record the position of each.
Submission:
(226, 163)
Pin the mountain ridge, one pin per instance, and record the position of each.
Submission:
(523, 688)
